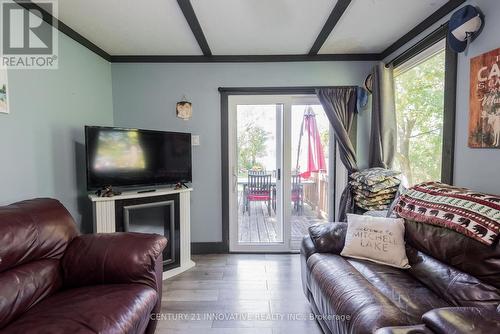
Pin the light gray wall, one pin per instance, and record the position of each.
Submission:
(41, 140)
(474, 168)
(144, 96)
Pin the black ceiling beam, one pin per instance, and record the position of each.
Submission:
(424, 25)
(245, 58)
(332, 21)
(188, 11)
(59, 25)
(194, 24)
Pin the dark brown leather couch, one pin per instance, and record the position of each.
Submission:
(453, 285)
(53, 280)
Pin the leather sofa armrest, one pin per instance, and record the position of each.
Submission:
(470, 320)
(414, 329)
(307, 249)
(328, 238)
(113, 258)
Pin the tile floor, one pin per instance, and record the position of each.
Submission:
(237, 293)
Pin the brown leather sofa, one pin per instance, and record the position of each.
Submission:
(53, 280)
(453, 285)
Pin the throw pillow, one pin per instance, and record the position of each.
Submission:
(388, 191)
(372, 207)
(373, 176)
(387, 183)
(376, 239)
(373, 200)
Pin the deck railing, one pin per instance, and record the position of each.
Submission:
(316, 194)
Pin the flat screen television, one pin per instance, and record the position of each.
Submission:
(136, 158)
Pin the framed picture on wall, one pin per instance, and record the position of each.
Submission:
(4, 101)
(484, 112)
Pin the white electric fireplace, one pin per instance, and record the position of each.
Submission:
(165, 211)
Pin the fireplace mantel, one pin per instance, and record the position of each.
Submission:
(104, 219)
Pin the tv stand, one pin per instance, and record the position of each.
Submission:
(146, 191)
(105, 219)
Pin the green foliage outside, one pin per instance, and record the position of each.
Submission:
(251, 146)
(325, 139)
(3, 93)
(419, 111)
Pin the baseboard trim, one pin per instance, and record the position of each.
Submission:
(209, 248)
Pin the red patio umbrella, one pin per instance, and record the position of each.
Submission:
(310, 155)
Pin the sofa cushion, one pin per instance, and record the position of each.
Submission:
(403, 290)
(33, 230)
(94, 259)
(117, 308)
(372, 295)
(24, 286)
(454, 286)
(414, 329)
(33, 237)
(456, 250)
(339, 289)
(470, 320)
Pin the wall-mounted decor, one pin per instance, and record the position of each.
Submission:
(369, 83)
(4, 102)
(484, 113)
(184, 109)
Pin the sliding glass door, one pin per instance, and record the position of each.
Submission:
(280, 184)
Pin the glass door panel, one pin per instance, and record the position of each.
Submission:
(281, 180)
(310, 177)
(258, 146)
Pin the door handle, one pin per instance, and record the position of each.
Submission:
(235, 180)
(278, 177)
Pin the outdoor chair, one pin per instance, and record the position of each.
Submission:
(258, 189)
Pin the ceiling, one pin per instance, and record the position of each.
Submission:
(245, 27)
(370, 26)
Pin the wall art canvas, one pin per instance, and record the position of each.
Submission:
(4, 102)
(484, 112)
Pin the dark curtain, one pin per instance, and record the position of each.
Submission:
(340, 107)
(383, 137)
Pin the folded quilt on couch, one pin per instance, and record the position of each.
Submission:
(473, 214)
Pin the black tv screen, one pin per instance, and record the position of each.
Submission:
(131, 157)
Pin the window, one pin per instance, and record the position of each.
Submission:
(419, 92)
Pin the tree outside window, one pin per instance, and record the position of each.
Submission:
(252, 143)
(419, 110)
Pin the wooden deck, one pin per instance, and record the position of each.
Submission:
(260, 227)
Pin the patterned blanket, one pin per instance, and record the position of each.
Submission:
(473, 214)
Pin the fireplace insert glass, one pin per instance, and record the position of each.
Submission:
(158, 215)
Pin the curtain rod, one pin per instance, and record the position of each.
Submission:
(431, 39)
(292, 89)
